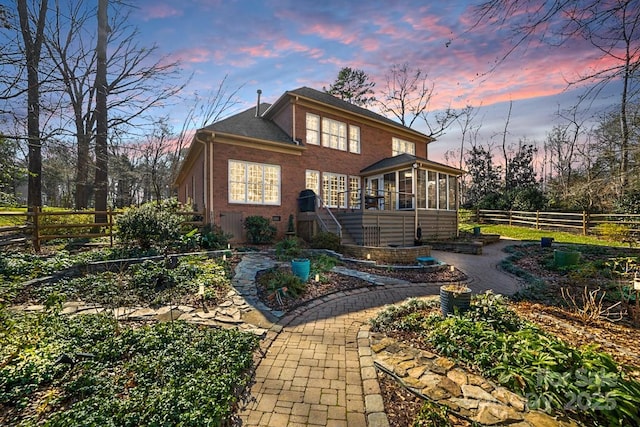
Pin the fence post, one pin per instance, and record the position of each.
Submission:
(110, 219)
(36, 229)
(510, 217)
(585, 219)
(537, 220)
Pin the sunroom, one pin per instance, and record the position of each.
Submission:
(398, 201)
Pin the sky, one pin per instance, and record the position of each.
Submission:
(280, 45)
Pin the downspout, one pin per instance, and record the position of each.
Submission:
(205, 174)
(293, 130)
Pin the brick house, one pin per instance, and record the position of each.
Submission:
(333, 165)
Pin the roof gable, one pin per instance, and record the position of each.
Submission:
(337, 103)
(249, 125)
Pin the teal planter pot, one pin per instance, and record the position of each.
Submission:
(565, 258)
(476, 231)
(301, 267)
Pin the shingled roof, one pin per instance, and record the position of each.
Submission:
(247, 124)
(325, 98)
(396, 162)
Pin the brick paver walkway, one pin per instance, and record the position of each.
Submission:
(317, 369)
(315, 372)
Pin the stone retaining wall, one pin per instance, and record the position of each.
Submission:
(387, 255)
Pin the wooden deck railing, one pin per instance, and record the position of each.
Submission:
(39, 226)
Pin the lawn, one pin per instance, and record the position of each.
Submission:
(531, 234)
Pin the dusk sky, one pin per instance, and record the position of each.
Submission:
(278, 45)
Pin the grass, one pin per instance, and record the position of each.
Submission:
(525, 233)
(11, 220)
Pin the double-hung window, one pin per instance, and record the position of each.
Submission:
(334, 134)
(400, 146)
(254, 183)
(354, 139)
(313, 129)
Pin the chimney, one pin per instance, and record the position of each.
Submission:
(258, 104)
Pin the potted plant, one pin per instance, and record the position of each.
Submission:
(301, 268)
(454, 297)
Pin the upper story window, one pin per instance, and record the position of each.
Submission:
(334, 134)
(400, 146)
(354, 139)
(313, 129)
(254, 183)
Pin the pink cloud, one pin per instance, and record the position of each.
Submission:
(196, 55)
(159, 11)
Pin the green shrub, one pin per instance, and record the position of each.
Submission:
(493, 309)
(432, 415)
(288, 249)
(212, 237)
(613, 232)
(326, 240)
(259, 230)
(149, 225)
(285, 283)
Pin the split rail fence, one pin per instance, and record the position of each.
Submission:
(582, 222)
(38, 226)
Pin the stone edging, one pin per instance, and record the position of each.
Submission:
(442, 381)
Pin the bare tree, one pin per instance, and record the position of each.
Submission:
(75, 63)
(611, 27)
(204, 109)
(137, 83)
(102, 150)
(33, 39)
(407, 95)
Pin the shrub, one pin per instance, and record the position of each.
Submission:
(212, 237)
(150, 224)
(259, 230)
(613, 232)
(326, 240)
(288, 249)
(285, 283)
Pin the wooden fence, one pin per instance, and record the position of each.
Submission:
(582, 222)
(38, 225)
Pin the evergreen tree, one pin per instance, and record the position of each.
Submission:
(353, 86)
(485, 176)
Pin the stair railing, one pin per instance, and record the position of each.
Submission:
(322, 205)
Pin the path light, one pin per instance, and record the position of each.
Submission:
(368, 256)
(317, 277)
(452, 268)
(224, 257)
(201, 289)
(228, 245)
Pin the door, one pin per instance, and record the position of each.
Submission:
(231, 223)
(374, 195)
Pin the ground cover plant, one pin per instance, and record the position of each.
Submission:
(151, 282)
(492, 340)
(90, 370)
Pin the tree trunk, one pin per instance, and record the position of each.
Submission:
(33, 47)
(102, 163)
